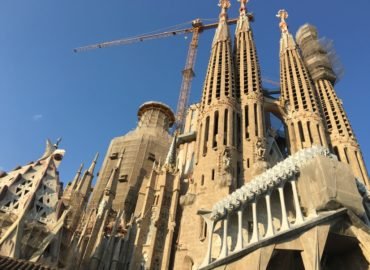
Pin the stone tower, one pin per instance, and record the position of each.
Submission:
(219, 118)
(148, 143)
(217, 169)
(342, 137)
(249, 86)
(153, 233)
(303, 120)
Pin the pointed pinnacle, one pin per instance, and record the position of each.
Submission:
(118, 165)
(243, 4)
(112, 177)
(283, 15)
(225, 5)
(171, 156)
(80, 169)
(77, 177)
(93, 164)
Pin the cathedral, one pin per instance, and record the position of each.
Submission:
(227, 190)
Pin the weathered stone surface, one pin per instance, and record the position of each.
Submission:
(326, 184)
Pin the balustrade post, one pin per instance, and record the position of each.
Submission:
(284, 216)
(239, 243)
(225, 247)
(255, 235)
(270, 225)
(298, 212)
(211, 226)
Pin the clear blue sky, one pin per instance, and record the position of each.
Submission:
(48, 91)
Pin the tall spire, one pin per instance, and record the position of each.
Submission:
(303, 119)
(249, 87)
(219, 117)
(342, 137)
(219, 81)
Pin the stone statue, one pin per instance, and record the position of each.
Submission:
(260, 149)
(365, 194)
(226, 159)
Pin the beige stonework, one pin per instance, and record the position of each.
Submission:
(229, 192)
(147, 144)
(342, 137)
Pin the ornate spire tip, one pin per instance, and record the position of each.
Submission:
(243, 4)
(224, 4)
(283, 15)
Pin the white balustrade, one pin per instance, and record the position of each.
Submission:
(247, 197)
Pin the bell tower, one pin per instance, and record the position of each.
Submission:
(249, 87)
(217, 169)
(304, 123)
(342, 137)
(219, 127)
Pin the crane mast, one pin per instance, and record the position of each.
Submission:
(187, 77)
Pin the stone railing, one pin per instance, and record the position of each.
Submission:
(246, 197)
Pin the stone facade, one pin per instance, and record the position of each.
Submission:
(229, 192)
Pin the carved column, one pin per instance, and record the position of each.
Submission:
(298, 212)
(270, 226)
(239, 243)
(225, 248)
(284, 216)
(211, 226)
(255, 235)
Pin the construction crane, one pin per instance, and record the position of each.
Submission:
(188, 74)
(197, 27)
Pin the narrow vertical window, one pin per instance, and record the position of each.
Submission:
(263, 130)
(246, 121)
(203, 230)
(206, 131)
(336, 152)
(215, 130)
(238, 130)
(309, 131)
(234, 129)
(292, 138)
(202, 181)
(213, 174)
(319, 132)
(301, 134)
(226, 119)
(238, 171)
(255, 119)
(200, 141)
(346, 154)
